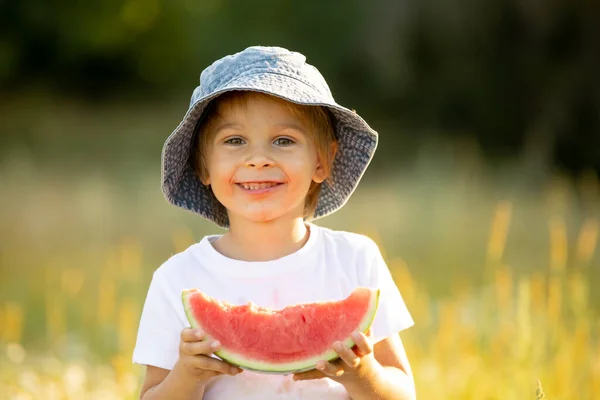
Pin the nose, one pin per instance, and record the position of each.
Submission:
(258, 162)
(259, 157)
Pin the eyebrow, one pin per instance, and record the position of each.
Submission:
(291, 125)
(280, 126)
(227, 126)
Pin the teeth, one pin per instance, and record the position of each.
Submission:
(256, 186)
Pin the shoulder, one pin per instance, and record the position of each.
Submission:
(177, 265)
(349, 242)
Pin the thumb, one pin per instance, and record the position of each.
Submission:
(312, 374)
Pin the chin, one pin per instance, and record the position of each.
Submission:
(263, 216)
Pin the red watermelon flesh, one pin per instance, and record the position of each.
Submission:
(288, 340)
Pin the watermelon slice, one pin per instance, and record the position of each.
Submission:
(282, 341)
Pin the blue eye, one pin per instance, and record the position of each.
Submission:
(283, 141)
(236, 141)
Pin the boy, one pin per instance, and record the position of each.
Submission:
(263, 149)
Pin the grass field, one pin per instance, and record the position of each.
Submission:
(500, 279)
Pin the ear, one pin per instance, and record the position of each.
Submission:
(320, 173)
(203, 175)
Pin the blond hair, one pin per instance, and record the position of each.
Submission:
(317, 118)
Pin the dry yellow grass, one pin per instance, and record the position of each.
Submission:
(72, 334)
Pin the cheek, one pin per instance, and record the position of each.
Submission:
(304, 164)
(220, 183)
(221, 171)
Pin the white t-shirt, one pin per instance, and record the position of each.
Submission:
(328, 267)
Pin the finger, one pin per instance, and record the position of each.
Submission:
(346, 354)
(363, 343)
(330, 369)
(212, 364)
(211, 374)
(312, 374)
(199, 348)
(191, 335)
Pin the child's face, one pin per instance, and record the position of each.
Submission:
(261, 160)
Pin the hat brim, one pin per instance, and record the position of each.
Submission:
(357, 143)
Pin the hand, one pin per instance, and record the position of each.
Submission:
(357, 362)
(195, 357)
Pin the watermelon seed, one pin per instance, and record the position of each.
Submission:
(303, 318)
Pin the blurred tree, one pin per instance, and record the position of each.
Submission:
(519, 76)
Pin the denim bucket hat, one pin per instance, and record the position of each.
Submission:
(278, 72)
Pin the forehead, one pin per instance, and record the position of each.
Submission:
(236, 101)
(313, 119)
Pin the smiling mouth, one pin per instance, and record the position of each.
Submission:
(258, 185)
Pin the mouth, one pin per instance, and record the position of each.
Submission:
(257, 186)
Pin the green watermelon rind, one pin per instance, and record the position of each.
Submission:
(287, 368)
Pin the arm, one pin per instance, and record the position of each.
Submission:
(389, 378)
(368, 372)
(192, 370)
(161, 383)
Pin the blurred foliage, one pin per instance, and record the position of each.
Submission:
(500, 281)
(519, 76)
(499, 277)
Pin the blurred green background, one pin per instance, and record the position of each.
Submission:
(483, 195)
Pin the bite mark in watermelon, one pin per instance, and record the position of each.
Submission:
(288, 340)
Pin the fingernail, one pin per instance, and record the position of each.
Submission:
(337, 346)
(215, 344)
(199, 334)
(356, 335)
